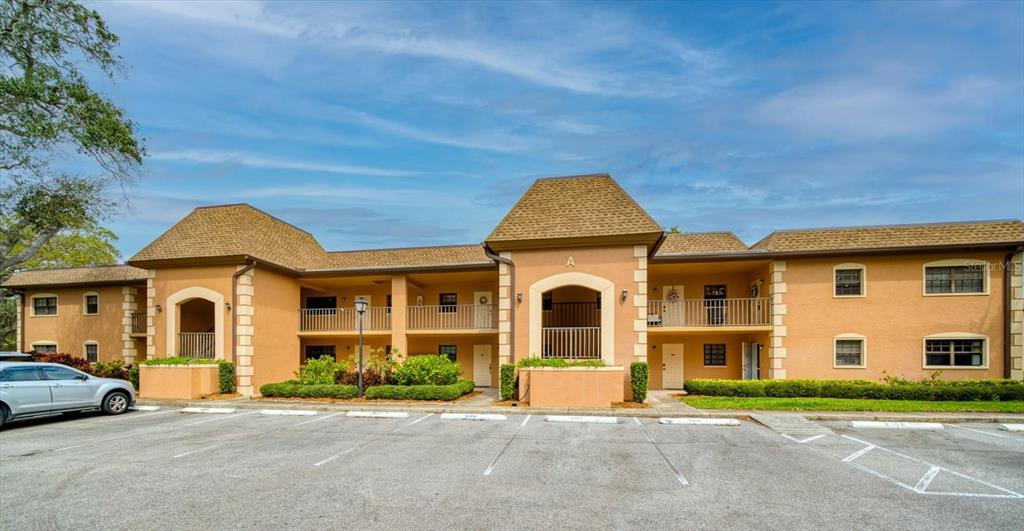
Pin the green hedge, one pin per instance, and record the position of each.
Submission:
(179, 360)
(294, 389)
(420, 392)
(226, 376)
(963, 390)
(507, 380)
(638, 375)
(430, 369)
(559, 362)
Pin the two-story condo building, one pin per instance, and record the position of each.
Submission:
(576, 269)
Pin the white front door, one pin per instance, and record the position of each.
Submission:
(672, 366)
(482, 365)
(482, 311)
(672, 306)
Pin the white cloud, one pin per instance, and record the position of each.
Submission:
(257, 161)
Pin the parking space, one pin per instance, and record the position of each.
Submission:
(248, 470)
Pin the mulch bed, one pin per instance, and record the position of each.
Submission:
(220, 396)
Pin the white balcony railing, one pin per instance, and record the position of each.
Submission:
(452, 317)
(344, 319)
(709, 313)
(571, 342)
(197, 344)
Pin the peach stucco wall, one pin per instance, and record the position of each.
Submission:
(178, 381)
(693, 355)
(70, 328)
(275, 321)
(573, 387)
(895, 316)
(171, 280)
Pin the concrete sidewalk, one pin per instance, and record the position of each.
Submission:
(660, 404)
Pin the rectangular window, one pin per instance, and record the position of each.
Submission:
(92, 304)
(317, 351)
(714, 355)
(849, 282)
(44, 306)
(92, 352)
(955, 279)
(954, 352)
(448, 350)
(45, 349)
(448, 302)
(849, 352)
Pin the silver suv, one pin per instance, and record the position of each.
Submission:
(28, 389)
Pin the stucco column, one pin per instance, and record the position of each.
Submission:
(399, 310)
(19, 302)
(151, 314)
(1017, 316)
(640, 302)
(128, 307)
(777, 350)
(504, 310)
(244, 313)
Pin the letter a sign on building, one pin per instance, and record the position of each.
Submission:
(570, 262)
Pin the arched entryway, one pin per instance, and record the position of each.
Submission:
(571, 316)
(195, 323)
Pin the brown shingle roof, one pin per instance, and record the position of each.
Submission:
(450, 255)
(573, 207)
(894, 236)
(235, 230)
(74, 276)
(700, 242)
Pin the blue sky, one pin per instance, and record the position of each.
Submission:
(383, 125)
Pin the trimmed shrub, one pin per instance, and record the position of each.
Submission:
(294, 389)
(559, 362)
(507, 381)
(226, 376)
(111, 369)
(427, 370)
(963, 391)
(320, 371)
(64, 359)
(638, 374)
(133, 376)
(420, 392)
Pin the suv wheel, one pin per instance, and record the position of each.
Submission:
(115, 403)
(3, 415)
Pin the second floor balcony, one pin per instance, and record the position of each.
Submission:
(709, 313)
(378, 319)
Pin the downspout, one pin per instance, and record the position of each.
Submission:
(249, 264)
(512, 303)
(1008, 310)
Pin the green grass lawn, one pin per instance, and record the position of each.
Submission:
(846, 404)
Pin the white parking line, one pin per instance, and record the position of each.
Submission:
(196, 451)
(859, 453)
(288, 412)
(675, 471)
(922, 484)
(1001, 436)
(803, 441)
(225, 417)
(318, 419)
(417, 421)
(494, 462)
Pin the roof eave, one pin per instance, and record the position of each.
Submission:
(104, 283)
(355, 271)
(647, 238)
(755, 254)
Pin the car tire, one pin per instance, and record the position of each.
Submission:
(3, 415)
(115, 403)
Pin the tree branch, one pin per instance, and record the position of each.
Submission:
(29, 252)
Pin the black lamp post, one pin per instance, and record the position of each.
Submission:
(361, 309)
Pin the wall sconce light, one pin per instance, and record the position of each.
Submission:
(228, 306)
(519, 298)
(158, 308)
(624, 296)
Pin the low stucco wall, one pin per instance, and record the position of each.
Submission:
(178, 381)
(571, 386)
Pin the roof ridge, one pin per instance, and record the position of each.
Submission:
(78, 267)
(567, 177)
(408, 248)
(899, 225)
(703, 232)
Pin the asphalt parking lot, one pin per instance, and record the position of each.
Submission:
(171, 470)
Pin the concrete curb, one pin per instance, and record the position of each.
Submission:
(654, 412)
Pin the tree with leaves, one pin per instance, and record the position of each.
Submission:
(52, 120)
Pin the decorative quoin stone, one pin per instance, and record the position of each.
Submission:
(1017, 316)
(777, 350)
(243, 314)
(128, 308)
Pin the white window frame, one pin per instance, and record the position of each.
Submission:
(44, 342)
(32, 304)
(863, 350)
(955, 336)
(863, 280)
(85, 352)
(85, 306)
(955, 262)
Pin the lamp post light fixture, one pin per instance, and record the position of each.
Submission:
(360, 310)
